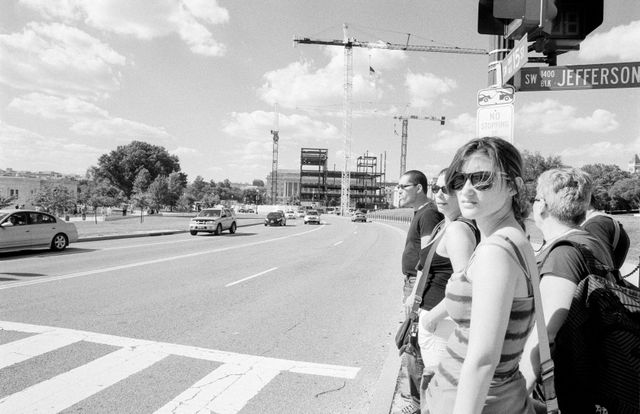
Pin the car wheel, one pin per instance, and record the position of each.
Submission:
(59, 242)
(218, 230)
(193, 232)
(232, 229)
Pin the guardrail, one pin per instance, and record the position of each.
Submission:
(394, 218)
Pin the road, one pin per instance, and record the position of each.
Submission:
(269, 320)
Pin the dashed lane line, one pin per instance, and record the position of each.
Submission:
(49, 279)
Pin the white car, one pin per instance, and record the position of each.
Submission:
(312, 216)
(290, 214)
(213, 220)
(26, 229)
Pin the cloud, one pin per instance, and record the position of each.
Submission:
(87, 119)
(144, 19)
(293, 128)
(459, 130)
(56, 58)
(620, 42)
(44, 153)
(302, 84)
(596, 152)
(550, 117)
(425, 88)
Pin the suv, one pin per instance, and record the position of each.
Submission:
(312, 216)
(275, 218)
(213, 220)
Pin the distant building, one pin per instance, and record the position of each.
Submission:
(634, 165)
(25, 184)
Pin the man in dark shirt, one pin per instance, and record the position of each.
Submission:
(609, 231)
(412, 192)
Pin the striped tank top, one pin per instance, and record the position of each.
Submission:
(458, 300)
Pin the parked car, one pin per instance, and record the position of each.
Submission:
(312, 216)
(213, 220)
(27, 229)
(300, 213)
(359, 217)
(275, 218)
(290, 214)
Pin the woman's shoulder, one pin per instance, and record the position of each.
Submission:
(510, 240)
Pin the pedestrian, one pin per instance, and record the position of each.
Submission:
(560, 205)
(459, 237)
(412, 192)
(610, 231)
(491, 300)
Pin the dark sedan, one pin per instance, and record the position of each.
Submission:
(275, 218)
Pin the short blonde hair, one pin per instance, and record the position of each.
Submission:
(566, 192)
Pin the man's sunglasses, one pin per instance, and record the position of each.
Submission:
(435, 188)
(480, 180)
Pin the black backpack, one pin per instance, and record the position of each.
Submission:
(597, 350)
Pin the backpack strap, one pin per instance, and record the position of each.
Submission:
(547, 368)
(436, 236)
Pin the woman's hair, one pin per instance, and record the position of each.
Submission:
(417, 177)
(566, 192)
(505, 158)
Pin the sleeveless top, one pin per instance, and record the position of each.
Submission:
(440, 270)
(458, 304)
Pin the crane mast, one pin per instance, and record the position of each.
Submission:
(405, 127)
(349, 43)
(274, 160)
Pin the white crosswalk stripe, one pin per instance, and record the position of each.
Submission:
(225, 390)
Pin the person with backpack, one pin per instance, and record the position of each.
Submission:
(568, 256)
(609, 231)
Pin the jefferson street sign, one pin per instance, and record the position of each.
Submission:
(558, 78)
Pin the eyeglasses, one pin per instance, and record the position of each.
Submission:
(480, 180)
(404, 186)
(435, 188)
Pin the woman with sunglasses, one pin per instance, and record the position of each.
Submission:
(491, 300)
(456, 238)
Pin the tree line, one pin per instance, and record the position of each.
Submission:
(147, 177)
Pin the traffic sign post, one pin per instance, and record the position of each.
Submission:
(496, 121)
(599, 76)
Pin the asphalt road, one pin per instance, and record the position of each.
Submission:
(269, 320)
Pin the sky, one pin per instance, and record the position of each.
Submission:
(209, 80)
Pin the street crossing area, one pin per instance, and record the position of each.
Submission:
(226, 389)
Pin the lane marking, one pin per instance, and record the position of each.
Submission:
(65, 390)
(48, 279)
(250, 277)
(226, 390)
(17, 351)
(337, 243)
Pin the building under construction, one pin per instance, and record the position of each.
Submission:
(321, 186)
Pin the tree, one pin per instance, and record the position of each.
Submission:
(157, 193)
(605, 176)
(55, 197)
(142, 181)
(534, 165)
(258, 183)
(625, 194)
(122, 165)
(177, 183)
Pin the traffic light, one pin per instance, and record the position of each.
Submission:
(555, 25)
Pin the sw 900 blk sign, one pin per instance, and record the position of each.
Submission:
(556, 78)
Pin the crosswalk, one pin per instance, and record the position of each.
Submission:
(225, 390)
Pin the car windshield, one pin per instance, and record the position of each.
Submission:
(209, 213)
(312, 213)
(273, 215)
(3, 214)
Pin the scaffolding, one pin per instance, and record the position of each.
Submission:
(320, 186)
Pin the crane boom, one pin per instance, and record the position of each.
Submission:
(390, 46)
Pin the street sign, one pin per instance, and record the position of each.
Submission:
(516, 59)
(496, 121)
(599, 76)
(496, 96)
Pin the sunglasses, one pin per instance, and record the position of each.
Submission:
(480, 180)
(404, 186)
(435, 188)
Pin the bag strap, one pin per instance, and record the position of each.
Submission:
(546, 363)
(436, 236)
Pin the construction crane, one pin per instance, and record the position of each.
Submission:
(405, 126)
(274, 159)
(349, 43)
